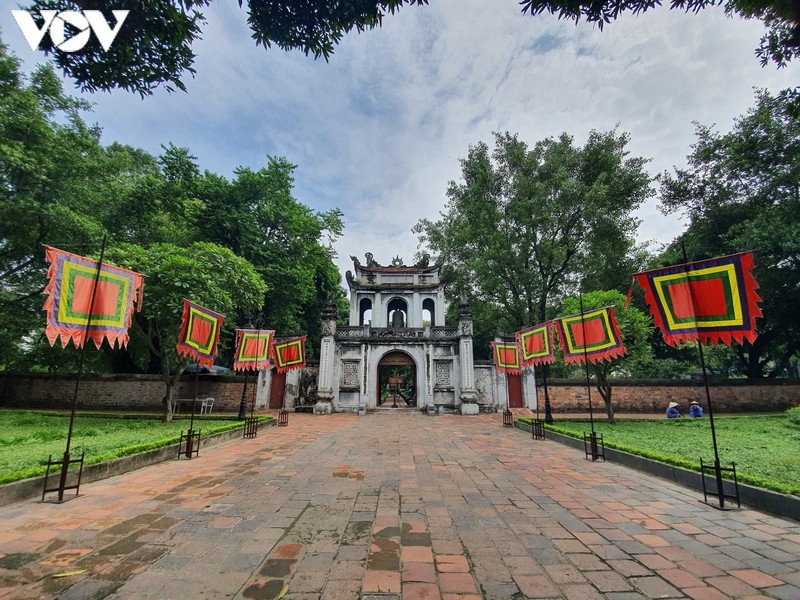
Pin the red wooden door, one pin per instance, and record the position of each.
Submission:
(276, 390)
(514, 390)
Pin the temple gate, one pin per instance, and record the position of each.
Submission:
(396, 336)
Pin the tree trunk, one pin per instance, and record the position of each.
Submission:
(166, 403)
(605, 392)
(170, 380)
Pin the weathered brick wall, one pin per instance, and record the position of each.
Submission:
(652, 396)
(144, 392)
(129, 392)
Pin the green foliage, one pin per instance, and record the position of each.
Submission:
(190, 233)
(27, 438)
(793, 414)
(291, 246)
(47, 156)
(779, 44)
(154, 46)
(205, 273)
(524, 224)
(765, 449)
(740, 192)
(636, 328)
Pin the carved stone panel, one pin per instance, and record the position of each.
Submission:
(442, 373)
(350, 374)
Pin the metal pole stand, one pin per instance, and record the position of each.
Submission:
(594, 448)
(64, 463)
(537, 429)
(720, 493)
(190, 444)
(251, 427)
(243, 402)
(508, 418)
(283, 418)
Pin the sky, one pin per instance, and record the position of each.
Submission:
(380, 129)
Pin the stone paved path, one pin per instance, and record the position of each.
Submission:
(392, 507)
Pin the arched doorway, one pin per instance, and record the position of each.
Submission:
(397, 380)
(397, 313)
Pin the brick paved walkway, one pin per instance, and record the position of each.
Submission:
(392, 507)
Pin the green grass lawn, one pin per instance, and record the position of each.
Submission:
(765, 449)
(27, 438)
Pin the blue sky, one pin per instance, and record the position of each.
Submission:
(379, 130)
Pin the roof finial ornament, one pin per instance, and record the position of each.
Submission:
(397, 261)
(371, 261)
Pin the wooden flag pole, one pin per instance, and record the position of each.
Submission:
(586, 362)
(717, 469)
(66, 460)
(548, 409)
(595, 453)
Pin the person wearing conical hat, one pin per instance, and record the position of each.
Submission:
(673, 411)
(695, 410)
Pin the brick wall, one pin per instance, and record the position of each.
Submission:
(144, 392)
(128, 392)
(652, 396)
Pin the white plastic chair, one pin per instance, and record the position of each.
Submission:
(206, 405)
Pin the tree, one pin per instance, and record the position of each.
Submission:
(154, 45)
(52, 170)
(636, 328)
(203, 272)
(780, 43)
(59, 186)
(525, 224)
(290, 245)
(741, 191)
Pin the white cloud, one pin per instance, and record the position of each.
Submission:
(380, 129)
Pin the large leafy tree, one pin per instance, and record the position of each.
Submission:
(290, 245)
(60, 186)
(636, 328)
(159, 203)
(526, 225)
(154, 46)
(56, 183)
(741, 191)
(206, 273)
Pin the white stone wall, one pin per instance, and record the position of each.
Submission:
(484, 384)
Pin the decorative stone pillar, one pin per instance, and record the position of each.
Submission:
(327, 354)
(469, 394)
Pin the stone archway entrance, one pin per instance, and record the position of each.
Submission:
(397, 380)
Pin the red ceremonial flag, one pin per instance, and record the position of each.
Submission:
(290, 353)
(199, 333)
(71, 282)
(602, 339)
(710, 301)
(536, 344)
(506, 356)
(252, 349)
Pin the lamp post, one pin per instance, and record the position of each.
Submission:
(243, 402)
